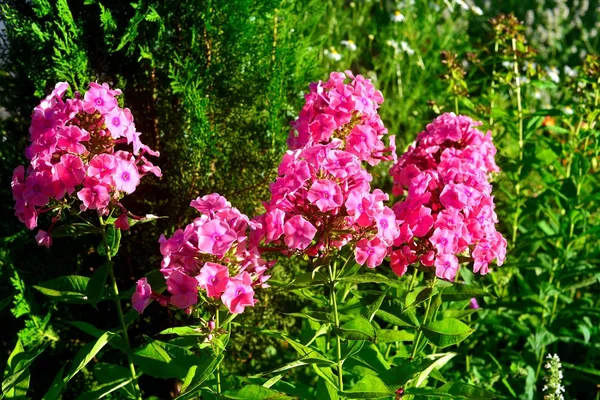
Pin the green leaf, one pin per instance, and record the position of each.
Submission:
(370, 387)
(458, 314)
(165, 360)
(358, 328)
(367, 278)
(16, 374)
(113, 239)
(392, 335)
(462, 292)
(446, 332)
(184, 331)
(116, 342)
(255, 392)
(391, 318)
(454, 390)
(74, 230)
(372, 309)
(419, 295)
(404, 371)
(435, 365)
(104, 389)
(68, 289)
(326, 390)
(197, 375)
(95, 286)
(82, 358)
(107, 373)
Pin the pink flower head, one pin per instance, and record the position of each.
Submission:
(142, 295)
(210, 203)
(184, 289)
(98, 98)
(444, 240)
(370, 251)
(239, 293)
(387, 228)
(122, 222)
(446, 266)
(94, 195)
(326, 195)
(103, 167)
(38, 189)
(71, 171)
(126, 176)
(70, 138)
(453, 197)
(215, 237)
(117, 123)
(43, 239)
(298, 232)
(213, 278)
(473, 304)
(274, 221)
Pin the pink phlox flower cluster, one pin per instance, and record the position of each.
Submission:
(212, 254)
(322, 198)
(448, 208)
(321, 201)
(73, 155)
(336, 111)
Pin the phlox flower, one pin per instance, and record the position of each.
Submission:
(126, 176)
(99, 98)
(71, 171)
(213, 278)
(298, 232)
(371, 252)
(326, 195)
(213, 254)
(239, 293)
(70, 138)
(446, 266)
(448, 205)
(142, 295)
(94, 195)
(76, 147)
(184, 289)
(43, 238)
(215, 237)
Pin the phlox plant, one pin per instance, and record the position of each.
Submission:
(322, 209)
(85, 156)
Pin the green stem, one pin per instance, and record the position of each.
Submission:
(217, 326)
(521, 141)
(332, 274)
(492, 90)
(416, 343)
(115, 288)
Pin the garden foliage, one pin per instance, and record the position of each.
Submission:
(422, 225)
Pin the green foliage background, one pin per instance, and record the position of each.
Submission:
(213, 86)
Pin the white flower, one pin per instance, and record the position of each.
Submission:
(463, 4)
(350, 45)
(476, 10)
(508, 64)
(553, 74)
(568, 110)
(406, 48)
(570, 72)
(393, 44)
(397, 16)
(332, 54)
